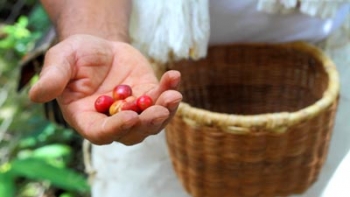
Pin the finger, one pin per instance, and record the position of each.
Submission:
(55, 75)
(170, 99)
(101, 129)
(155, 118)
(170, 80)
(151, 121)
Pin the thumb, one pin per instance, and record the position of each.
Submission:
(54, 77)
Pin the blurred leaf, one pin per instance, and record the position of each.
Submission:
(66, 195)
(60, 177)
(38, 19)
(52, 151)
(31, 189)
(38, 148)
(9, 29)
(25, 153)
(7, 186)
(7, 43)
(18, 37)
(22, 22)
(27, 142)
(40, 132)
(56, 154)
(17, 30)
(20, 32)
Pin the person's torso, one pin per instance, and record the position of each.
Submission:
(240, 21)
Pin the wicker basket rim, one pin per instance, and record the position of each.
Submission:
(275, 122)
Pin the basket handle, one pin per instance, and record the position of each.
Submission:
(228, 129)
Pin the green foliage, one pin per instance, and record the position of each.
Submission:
(21, 36)
(36, 151)
(36, 155)
(7, 185)
(18, 37)
(38, 20)
(38, 169)
(41, 169)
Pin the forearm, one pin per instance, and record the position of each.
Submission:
(108, 19)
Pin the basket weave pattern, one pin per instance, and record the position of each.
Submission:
(256, 120)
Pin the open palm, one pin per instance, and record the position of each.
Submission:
(79, 69)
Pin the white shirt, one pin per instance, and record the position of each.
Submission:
(239, 21)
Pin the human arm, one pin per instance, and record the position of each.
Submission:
(107, 19)
(90, 59)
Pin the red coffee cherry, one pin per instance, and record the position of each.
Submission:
(131, 104)
(122, 100)
(144, 102)
(103, 103)
(122, 92)
(116, 107)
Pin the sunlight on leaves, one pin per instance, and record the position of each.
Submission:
(41, 170)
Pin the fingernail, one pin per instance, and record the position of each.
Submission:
(175, 84)
(158, 121)
(174, 80)
(127, 126)
(173, 106)
(129, 122)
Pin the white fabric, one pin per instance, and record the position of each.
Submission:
(179, 29)
(320, 8)
(142, 170)
(172, 28)
(241, 22)
(339, 184)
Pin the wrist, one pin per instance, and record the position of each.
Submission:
(114, 31)
(109, 19)
(112, 35)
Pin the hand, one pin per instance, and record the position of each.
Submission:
(80, 68)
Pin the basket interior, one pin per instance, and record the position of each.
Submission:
(248, 79)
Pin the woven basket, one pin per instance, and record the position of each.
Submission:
(256, 120)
